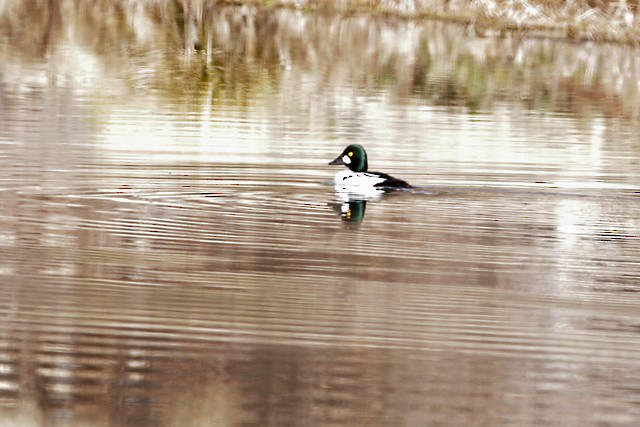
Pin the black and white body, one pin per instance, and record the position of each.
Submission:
(358, 178)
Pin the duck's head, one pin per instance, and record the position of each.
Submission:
(354, 157)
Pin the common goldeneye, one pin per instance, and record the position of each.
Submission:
(357, 177)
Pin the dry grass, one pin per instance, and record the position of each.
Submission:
(577, 19)
(600, 20)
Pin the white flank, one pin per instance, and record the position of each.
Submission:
(358, 184)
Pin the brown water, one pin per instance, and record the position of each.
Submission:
(172, 253)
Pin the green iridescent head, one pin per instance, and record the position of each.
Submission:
(354, 157)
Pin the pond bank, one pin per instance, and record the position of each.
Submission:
(597, 20)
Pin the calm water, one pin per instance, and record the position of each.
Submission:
(172, 253)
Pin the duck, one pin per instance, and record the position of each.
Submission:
(358, 176)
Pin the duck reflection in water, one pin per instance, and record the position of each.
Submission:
(352, 211)
(357, 185)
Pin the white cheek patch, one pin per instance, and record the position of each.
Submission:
(346, 159)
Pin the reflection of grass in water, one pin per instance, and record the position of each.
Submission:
(235, 55)
(224, 79)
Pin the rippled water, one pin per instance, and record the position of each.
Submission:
(172, 251)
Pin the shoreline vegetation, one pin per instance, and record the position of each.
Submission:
(579, 20)
(212, 52)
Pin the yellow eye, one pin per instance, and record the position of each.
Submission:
(350, 153)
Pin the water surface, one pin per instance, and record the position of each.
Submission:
(172, 252)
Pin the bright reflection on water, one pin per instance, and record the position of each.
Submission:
(172, 252)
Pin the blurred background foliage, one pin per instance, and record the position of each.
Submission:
(209, 52)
